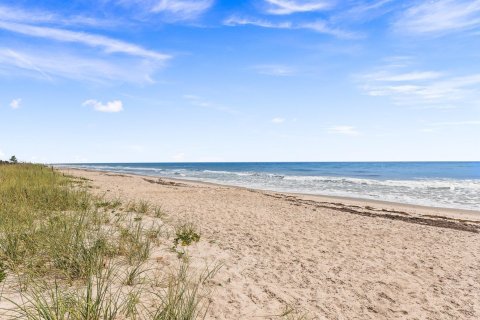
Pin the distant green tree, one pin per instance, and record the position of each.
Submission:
(13, 159)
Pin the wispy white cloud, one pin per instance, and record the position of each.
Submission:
(109, 45)
(126, 62)
(344, 130)
(48, 64)
(440, 16)
(422, 88)
(318, 26)
(278, 120)
(172, 10)
(2, 154)
(34, 16)
(234, 21)
(284, 7)
(14, 59)
(277, 70)
(364, 10)
(443, 93)
(183, 9)
(111, 106)
(321, 26)
(15, 103)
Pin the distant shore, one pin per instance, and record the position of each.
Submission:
(328, 256)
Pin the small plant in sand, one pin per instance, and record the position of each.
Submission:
(155, 232)
(186, 234)
(143, 206)
(131, 206)
(158, 212)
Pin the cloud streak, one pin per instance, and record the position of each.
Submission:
(109, 45)
(441, 16)
(35, 16)
(45, 64)
(422, 88)
(183, 9)
(88, 63)
(318, 26)
(235, 21)
(171, 10)
(286, 7)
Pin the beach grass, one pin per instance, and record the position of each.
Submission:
(73, 255)
(49, 223)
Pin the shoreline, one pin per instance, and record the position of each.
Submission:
(390, 205)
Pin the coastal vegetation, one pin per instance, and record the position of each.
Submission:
(67, 254)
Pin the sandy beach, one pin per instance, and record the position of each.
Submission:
(239, 160)
(333, 258)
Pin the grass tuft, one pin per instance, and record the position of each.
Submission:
(183, 297)
(141, 206)
(134, 244)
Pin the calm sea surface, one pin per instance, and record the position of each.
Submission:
(440, 184)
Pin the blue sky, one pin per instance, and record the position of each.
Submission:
(264, 80)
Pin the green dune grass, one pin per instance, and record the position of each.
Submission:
(72, 255)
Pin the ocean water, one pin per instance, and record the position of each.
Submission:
(439, 184)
